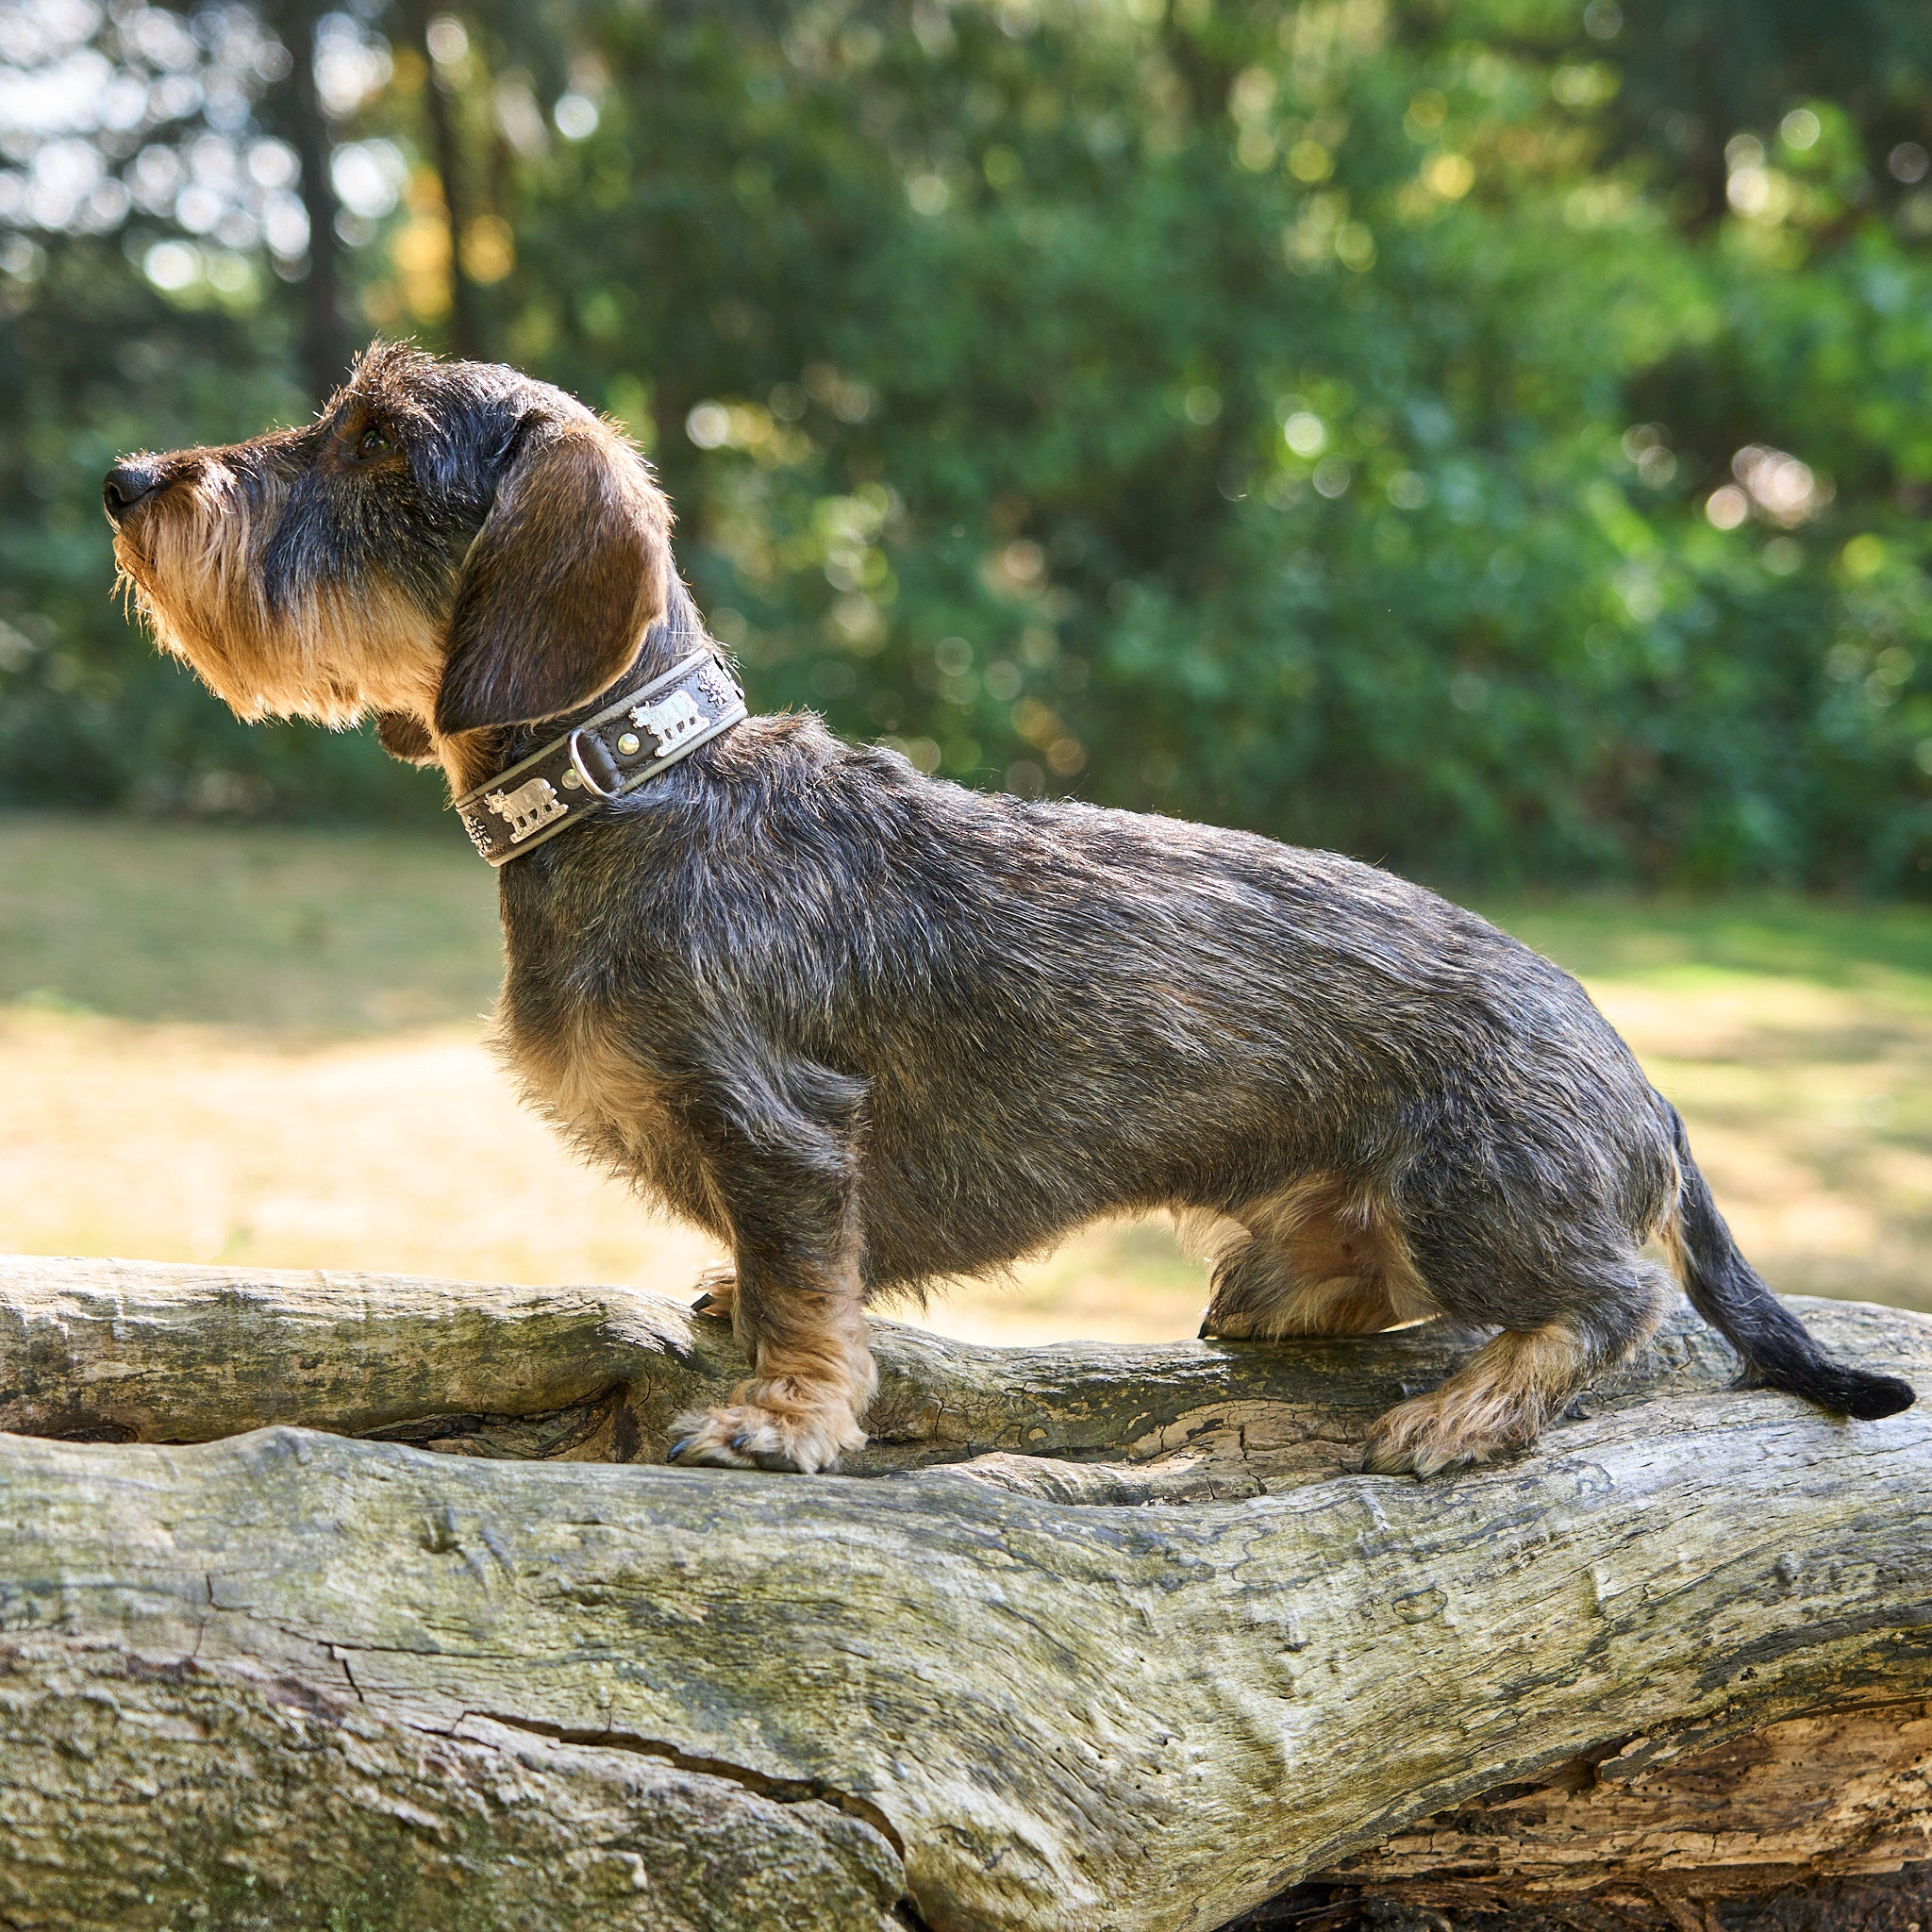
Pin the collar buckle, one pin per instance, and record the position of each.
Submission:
(576, 744)
(521, 807)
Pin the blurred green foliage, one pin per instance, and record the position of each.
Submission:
(1490, 438)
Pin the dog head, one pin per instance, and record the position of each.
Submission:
(449, 545)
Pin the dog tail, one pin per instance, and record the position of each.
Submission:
(1730, 1294)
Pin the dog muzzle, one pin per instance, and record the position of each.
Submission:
(626, 744)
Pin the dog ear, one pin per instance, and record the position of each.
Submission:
(404, 737)
(571, 567)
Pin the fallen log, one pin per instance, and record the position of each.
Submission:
(1656, 1831)
(1094, 1637)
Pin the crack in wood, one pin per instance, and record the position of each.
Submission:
(781, 1790)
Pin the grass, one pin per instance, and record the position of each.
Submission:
(302, 934)
(263, 1046)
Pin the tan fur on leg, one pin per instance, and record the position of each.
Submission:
(1344, 1304)
(1324, 1257)
(1502, 1398)
(812, 1374)
(717, 1292)
(800, 1409)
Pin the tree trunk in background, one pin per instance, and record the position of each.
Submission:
(326, 346)
(1095, 1637)
(466, 336)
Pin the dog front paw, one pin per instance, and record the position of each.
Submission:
(747, 1435)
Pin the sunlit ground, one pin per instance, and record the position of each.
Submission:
(264, 1047)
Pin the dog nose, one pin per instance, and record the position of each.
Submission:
(128, 483)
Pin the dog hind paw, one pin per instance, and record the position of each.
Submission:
(1426, 1437)
(742, 1434)
(717, 1292)
(1229, 1324)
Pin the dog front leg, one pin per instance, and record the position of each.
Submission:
(783, 1161)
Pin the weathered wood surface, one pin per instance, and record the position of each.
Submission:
(289, 1674)
(1656, 1821)
(141, 1351)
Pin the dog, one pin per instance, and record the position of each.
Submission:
(872, 1029)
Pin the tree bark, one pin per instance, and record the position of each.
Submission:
(1113, 1638)
(1655, 1830)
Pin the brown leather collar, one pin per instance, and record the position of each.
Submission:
(620, 747)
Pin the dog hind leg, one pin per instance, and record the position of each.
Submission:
(717, 1296)
(1516, 1385)
(1322, 1258)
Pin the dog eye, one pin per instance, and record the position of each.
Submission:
(374, 442)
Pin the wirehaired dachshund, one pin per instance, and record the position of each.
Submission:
(872, 1029)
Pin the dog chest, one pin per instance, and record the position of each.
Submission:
(581, 1073)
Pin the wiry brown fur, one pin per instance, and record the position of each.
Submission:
(526, 599)
(873, 1031)
(1326, 1255)
(346, 649)
(1502, 1398)
(567, 574)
